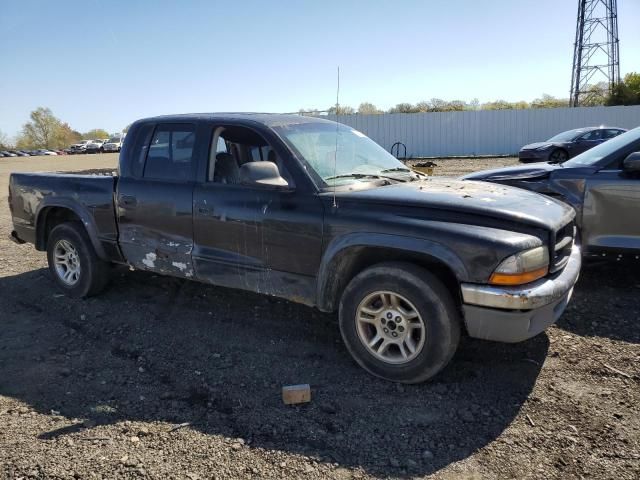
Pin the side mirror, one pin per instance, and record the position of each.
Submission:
(631, 164)
(262, 175)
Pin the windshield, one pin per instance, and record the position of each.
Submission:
(113, 140)
(590, 157)
(566, 136)
(359, 158)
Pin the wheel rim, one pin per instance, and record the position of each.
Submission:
(390, 327)
(67, 262)
(559, 156)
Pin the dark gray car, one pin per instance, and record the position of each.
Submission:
(602, 185)
(566, 145)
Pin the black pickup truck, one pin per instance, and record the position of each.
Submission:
(317, 213)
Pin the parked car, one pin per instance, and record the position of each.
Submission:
(7, 153)
(80, 147)
(567, 144)
(94, 146)
(278, 207)
(1, 155)
(20, 153)
(601, 184)
(113, 144)
(44, 151)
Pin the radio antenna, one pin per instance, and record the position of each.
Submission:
(335, 156)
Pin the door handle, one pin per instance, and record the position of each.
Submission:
(128, 200)
(205, 210)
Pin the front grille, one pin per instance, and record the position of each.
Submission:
(562, 240)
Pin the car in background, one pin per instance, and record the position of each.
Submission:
(79, 147)
(44, 151)
(6, 153)
(95, 146)
(601, 184)
(566, 145)
(20, 153)
(114, 144)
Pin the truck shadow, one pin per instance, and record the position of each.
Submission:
(157, 349)
(606, 302)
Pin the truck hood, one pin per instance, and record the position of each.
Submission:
(530, 171)
(477, 198)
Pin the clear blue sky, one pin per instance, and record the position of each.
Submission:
(103, 64)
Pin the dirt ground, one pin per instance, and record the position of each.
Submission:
(164, 378)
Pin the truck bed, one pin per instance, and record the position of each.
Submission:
(35, 196)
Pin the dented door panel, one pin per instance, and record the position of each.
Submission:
(155, 225)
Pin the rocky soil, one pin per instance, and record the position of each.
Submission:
(164, 378)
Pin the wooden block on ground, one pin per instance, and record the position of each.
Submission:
(292, 394)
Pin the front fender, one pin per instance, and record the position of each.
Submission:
(341, 248)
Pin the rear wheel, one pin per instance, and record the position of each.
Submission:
(73, 262)
(558, 156)
(399, 322)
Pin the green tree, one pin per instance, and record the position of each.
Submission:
(549, 101)
(95, 134)
(4, 141)
(42, 131)
(66, 136)
(341, 110)
(367, 108)
(404, 108)
(626, 92)
(632, 81)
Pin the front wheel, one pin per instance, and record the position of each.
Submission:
(558, 156)
(73, 262)
(399, 322)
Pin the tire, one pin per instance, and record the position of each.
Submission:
(71, 255)
(416, 291)
(559, 156)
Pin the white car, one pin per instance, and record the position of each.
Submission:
(80, 147)
(113, 144)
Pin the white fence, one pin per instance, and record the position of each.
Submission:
(482, 132)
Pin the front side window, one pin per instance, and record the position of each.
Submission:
(610, 133)
(590, 136)
(170, 153)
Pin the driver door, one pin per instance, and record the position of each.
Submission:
(259, 239)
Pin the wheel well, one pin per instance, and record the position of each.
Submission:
(48, 219)
(356, 259)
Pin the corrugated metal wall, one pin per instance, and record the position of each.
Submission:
(482, 132)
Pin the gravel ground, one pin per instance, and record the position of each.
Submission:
(164, 378)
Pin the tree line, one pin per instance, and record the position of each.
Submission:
(627, 92)
(45, 130)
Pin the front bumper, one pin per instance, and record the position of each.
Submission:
(514, 314)
(534, 155)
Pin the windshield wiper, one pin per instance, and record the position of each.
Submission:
(364, 175)
(396, 169)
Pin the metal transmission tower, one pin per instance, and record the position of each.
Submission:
(596, 55)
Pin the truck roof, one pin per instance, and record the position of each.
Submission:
(268, 119)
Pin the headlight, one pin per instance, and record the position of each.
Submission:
(522, 267)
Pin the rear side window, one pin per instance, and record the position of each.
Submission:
(170, 153)
(138, 149)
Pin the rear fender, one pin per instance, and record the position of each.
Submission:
(85, 216)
